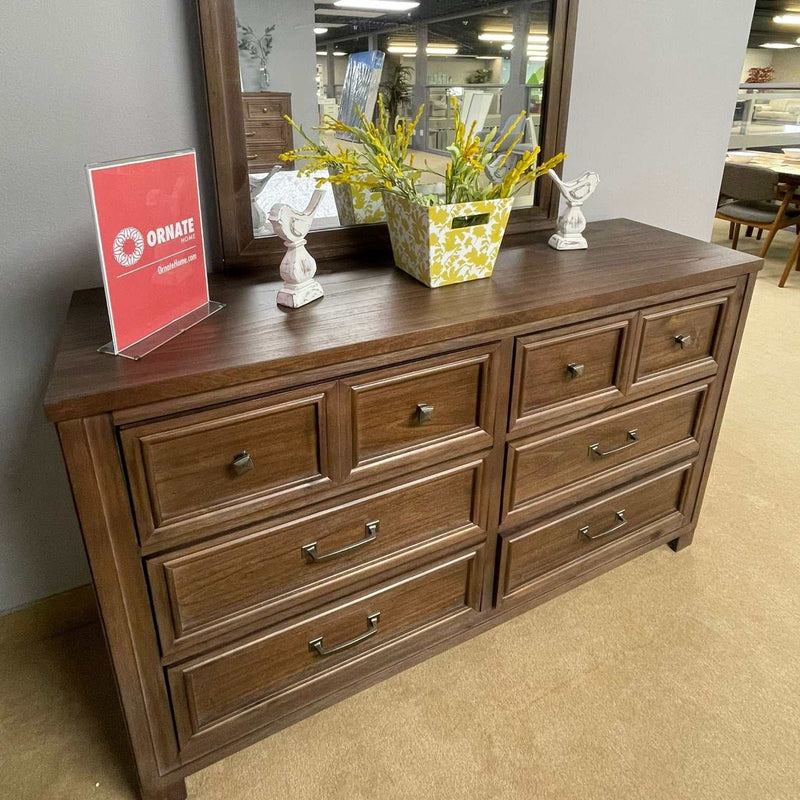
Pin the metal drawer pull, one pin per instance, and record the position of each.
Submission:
(575, 370)
(315, 645)
(424, 412)
(253, 156)
(620, 515)
(242, 462)
(633, 437)
(683, 340)
(249, 133)
(370, 535)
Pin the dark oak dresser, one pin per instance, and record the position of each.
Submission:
(267, 134)
(283, 507)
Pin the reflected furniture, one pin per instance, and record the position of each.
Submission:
(267, 133)
(282, 509)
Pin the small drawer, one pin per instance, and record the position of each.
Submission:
(263, 156)
(589, 457)
(434, 408)
(220, 697)
(571, 371)
(204, 593)
(264, 108)
(201, 472)
(535, 560)
(268, 134)
(681, 337)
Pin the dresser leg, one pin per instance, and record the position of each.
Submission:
(164, 789)
(682, 541)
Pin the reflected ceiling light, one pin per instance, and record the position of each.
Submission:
(778, 45)
(408, 49)
(320, 31)
(487, 58)
(377, 5)
(538, 39)
(507, 47)
(496, 37)
(787, 19)
(335, 52)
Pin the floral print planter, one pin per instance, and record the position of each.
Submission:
(440, 245)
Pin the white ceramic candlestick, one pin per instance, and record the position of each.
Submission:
(298, 267)
(570, 225)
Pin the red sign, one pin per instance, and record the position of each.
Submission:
(150, 235)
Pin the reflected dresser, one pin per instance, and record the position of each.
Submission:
(267, 133)
(282, 507)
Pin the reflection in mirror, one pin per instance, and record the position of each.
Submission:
(307, 60)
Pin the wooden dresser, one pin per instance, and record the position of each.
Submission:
(283, 507)
(267, 134)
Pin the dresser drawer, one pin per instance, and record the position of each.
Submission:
(266, 108)
(221, 696)
(194, 473)
(203, 593)
(681, 337)
(572, 370)
(433, 408)
(268, 134)
(588, 457)
(263, 156)
(652, 507)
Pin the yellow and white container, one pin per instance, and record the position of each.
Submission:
(440, 245)
(356, 205)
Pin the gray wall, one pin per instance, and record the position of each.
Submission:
(79, 82)
(653, 93)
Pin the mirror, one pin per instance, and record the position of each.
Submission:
(311, 60)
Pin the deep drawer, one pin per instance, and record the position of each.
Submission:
(205, 592)
(436, 406)
(580, 457)
(191, 473)
(573, 370)
(222, 696)
(579, 539)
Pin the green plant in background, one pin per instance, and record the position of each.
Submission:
(257, 47)
(396, 92)
(479, 76)
(382, 160)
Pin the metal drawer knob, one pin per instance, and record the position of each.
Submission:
(684, 340)
(242, 462)
(424, 412)
(575, 370)
(315, 645)
(621, 523)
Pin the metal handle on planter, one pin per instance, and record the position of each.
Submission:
(370, 535)
(633, 437)
(620, 515)
(315, 645)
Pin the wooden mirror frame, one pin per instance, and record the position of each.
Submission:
(241, 248)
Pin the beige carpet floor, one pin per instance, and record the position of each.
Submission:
(675, 677)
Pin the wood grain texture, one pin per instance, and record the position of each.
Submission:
(231, 691)
(203, 594)
(372, 311)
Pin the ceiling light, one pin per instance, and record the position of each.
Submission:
(409, 49)
(538, 39)
(507, 47)
(320, 31)
(487, 58)
(778, 45)
(335, 52)
(787, 19)
(496, 37)
(377, 5)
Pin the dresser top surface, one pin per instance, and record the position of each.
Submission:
(371, 310)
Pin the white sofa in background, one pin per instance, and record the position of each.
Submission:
(778, 110)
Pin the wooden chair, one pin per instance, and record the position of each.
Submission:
(748, 197)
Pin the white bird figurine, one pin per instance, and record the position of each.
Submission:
(298, 267)
(571, 224)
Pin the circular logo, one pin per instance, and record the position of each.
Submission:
(128, 246)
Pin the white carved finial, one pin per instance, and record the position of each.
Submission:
(298, 267)
(570, 225)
